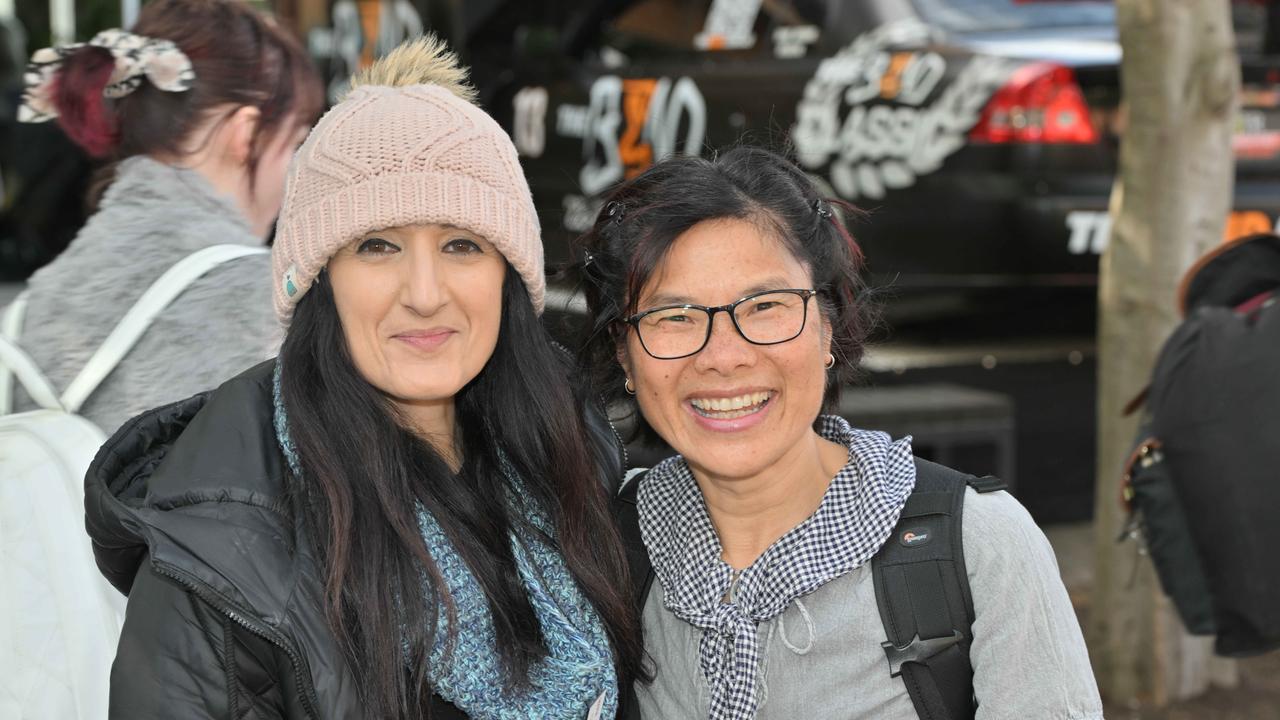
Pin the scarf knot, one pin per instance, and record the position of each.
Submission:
(855, 517)
(729, 649)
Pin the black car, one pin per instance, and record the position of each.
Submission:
(981, 135)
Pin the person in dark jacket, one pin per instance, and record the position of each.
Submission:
(403, 515)
(728, 309)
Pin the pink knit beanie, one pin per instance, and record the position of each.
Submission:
(406, 147)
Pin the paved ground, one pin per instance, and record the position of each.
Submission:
(1257, 697)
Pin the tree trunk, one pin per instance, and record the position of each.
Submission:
(1180, 78)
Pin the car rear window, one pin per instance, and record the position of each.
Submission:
(966, 16)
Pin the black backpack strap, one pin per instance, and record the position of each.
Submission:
(922, 590)
(628, 517)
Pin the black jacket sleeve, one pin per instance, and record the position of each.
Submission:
(180, 658)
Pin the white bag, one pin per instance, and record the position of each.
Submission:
(60, 619)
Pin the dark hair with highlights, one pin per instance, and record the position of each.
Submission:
(239, 56)
(363, 474)
(644, 216)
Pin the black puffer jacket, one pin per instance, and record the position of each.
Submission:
(187, 510)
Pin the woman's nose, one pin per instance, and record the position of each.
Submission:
(421, 289)
(726, 349)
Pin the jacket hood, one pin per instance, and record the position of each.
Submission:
(1232, 273)
(198, 487)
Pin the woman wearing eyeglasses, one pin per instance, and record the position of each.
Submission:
(727, 307)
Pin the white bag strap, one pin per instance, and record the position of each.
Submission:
(10, 327)
(135, 322)
(15, 361)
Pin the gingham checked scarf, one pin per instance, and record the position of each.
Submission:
(855, 517)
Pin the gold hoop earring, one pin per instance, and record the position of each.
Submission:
(831, 361)
(629, 387)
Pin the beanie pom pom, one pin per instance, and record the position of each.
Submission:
(425, 60)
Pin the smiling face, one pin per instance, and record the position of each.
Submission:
(420, 307)
(734, 409)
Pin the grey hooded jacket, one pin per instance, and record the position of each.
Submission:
(151, 216)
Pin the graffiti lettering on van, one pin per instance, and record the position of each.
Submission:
(360, 33)
(634, 122)
(728, 25)
(867, 115)
(1090, 231)
(529, 121)
(629, 124)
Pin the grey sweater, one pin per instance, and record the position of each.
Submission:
(151, 216)
(821, 658)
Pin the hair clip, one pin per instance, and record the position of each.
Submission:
(136, 58)
(615, 210)
(587, 259)
(823, 209)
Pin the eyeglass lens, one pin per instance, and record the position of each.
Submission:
(763, 319)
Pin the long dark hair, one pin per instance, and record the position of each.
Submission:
(642, 217)
(363, 474)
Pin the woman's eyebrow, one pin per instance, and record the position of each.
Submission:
(663, 299)
(668, 299)
(773, 283)
(457, 228)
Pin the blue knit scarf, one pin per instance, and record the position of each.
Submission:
(576, 677)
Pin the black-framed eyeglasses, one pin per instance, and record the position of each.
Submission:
(770, 317)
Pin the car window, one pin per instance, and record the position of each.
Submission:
(965, 16)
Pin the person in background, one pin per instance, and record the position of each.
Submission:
(727, 307)
(197, 110)
(406, 514)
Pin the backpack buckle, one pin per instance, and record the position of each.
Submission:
(917, 650)
(987, 483)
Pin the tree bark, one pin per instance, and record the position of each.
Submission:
(1180, 78)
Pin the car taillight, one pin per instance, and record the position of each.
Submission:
(1041, 103)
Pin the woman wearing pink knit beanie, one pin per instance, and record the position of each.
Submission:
(405, 514)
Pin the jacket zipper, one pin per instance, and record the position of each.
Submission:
(626, 461)
(604, 410)
(309, 699)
